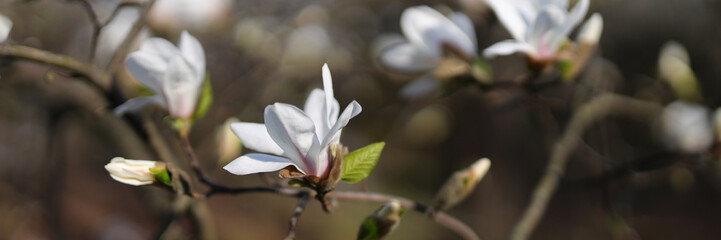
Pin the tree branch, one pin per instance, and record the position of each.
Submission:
(96, 77)
(441, 218)
(597, 109)
(97, 25)
(116, 62)
(296, 214)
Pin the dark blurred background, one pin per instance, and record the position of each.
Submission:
(55, 136)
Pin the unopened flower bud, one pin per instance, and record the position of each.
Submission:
(5, 25)
(229, 145)
(461, 184)
(591, 31)
(381, 222)
(686, 127)
(717, 123)
(135, 172)
(674, 68)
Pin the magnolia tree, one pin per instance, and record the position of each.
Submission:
(439, 50)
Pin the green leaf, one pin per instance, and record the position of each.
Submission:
(359, 164)
(162, 175)
(369, 230)
(205, 99)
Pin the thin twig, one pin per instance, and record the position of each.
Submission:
(296, 214)
(604, 105)
(116, 62)
(97, 25)
(158, 142)
(96, 76)
(439, 217)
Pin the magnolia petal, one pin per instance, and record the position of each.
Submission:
(424, 26)
(563, 4)
(255, 136)
(180, 88)
(465, 24)
(159, 47)
(420, 87)
(130, 181)
(319, 153)
(135, 104)
(5, 25)
(147, 69)
(257, 163)
(511, 17)
(333, 136)
(293, 131)
(331, 104)
(407, 58)
(315, 108)
(507, 47)
(546, 33)
(193, 52)
(575, 17)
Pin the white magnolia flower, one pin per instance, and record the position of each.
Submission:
(132, 172)
(5, 25)
(175, 74)
(189, 14)
(302, 137)
(687, 127)
(537, 26)
(427, 31)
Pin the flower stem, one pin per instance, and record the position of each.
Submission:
(296, 214)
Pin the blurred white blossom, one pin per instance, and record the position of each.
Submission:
(113, 34)
(302, 137)
(428, 32)
(5, 25)
(197, 15)
(429, 36)
(687, 127)
(537, 26)
(175, 74)
(132, 172)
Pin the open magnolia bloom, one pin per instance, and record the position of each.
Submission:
(307, 139)
(5, 25)
(537, 26)
(175, 74)
(430, 36)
